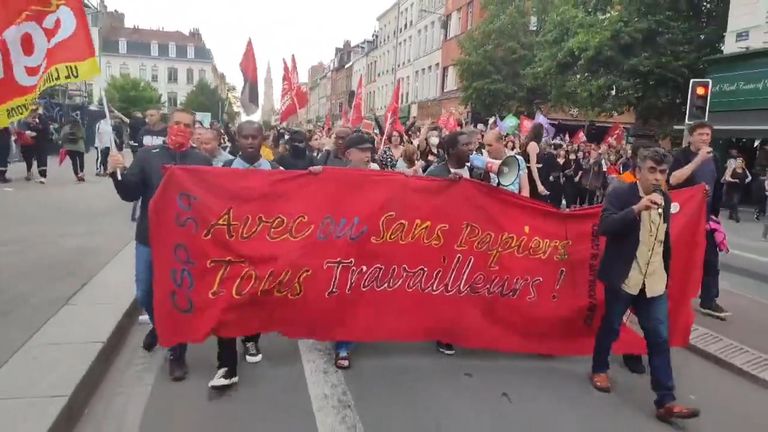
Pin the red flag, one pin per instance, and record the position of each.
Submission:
(615, 135)
(344, 117)
(300, 93)
(392, 115)
(579, 137)
(357, 105)
(525, 125)
(287, 102)
(249, 96)
(43, 44)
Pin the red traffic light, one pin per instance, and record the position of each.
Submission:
(702, 90)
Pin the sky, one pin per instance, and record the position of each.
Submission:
(310, 29)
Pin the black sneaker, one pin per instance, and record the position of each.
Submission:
(150, 340)
(634, 362)
(757, 216)
(5, 180)
(714, 310)
(252, 352)
(446, 348)
(224, 378)
(177, 368)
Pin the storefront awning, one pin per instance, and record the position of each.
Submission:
(738, 124)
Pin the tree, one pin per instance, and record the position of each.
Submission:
(607, 56)
(205, 98)
(496, 53)
(127, 94)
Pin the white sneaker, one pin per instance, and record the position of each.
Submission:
(223, 379)
(252, 352)
(40, 180)
(144, 319)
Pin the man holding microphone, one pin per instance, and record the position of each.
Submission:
(634, 270)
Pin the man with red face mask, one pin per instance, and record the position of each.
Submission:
(140, 181)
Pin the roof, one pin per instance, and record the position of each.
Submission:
(149, 35)
(742, 53)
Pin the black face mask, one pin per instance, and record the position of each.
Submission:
(297, 151)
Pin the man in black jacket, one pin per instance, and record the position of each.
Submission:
(694, 164)
(297, 158)
(634, 269)
(140, 181)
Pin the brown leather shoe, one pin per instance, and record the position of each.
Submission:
(601, 382)
(675, 411)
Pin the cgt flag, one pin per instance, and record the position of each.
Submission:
(287, 104)
(249, 96)
(356, 118)
(43, 44)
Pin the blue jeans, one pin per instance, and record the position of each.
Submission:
(710, 281)
(144, 291)
(344, 347)
(652, 314)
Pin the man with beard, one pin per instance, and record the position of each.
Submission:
(297, 158)
(139, 182)
(336, 156)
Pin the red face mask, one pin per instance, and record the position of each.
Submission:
(179, 138)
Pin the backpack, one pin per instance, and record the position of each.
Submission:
(71, 137)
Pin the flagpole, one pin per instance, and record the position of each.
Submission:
(112, 145)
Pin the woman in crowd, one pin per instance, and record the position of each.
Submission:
(530, 152)
(557, 188)
(409, 162)
(391, 152)
(736, 179)
(429, 153)
(31, 139)
(73, 141)
(571, 175)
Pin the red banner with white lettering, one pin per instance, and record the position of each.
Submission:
(345, 255)
(42, 44)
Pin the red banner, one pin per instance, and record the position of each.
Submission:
(47, 44)
(345, 255)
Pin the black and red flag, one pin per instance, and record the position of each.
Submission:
(249, 97)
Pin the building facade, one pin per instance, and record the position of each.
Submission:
(386, 52)
(316, 111)
(747, 26)
(172, 61)
(427, 59)
(460, 16)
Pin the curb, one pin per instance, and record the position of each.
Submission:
(732, 356)
(78, 401)
(70, 353)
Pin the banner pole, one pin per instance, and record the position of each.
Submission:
(112, 145)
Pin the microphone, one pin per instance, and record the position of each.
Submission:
(658, 190)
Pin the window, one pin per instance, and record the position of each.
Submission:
(402, 93)
(173, 100)
(109, 69)
(123, 46)
(155, 73)
(418, 43)
(430, 81)
(416, 85)
(190, 51)
(407, 89)
(470, 12)
(408, 48)
(436, 85)
(449, 78)
(454, 24)
(431, 44)
(172, 49)
(190, 76)
(423, 84)
(125, 70)
(201, 74)
(154, 49)
(173, 75)
(143, 72)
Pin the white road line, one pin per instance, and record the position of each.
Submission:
(331, 400)
(749, 255)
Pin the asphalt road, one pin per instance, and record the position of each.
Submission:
(53, 239)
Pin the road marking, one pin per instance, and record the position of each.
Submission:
(749, 255)
(331, 400)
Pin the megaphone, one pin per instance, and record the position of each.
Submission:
(507, 170)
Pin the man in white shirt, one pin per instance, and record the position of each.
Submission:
(103, 144)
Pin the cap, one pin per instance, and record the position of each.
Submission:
(358, 141)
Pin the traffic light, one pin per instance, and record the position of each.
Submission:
(698, 100)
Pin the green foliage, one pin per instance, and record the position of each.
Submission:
(496, 54)
(601, 56)
(205, 98)
(127, 94)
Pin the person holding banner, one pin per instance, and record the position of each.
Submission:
(249, 137)
(140, 182)
(495, 149)
(335, 156)
(634, 269)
